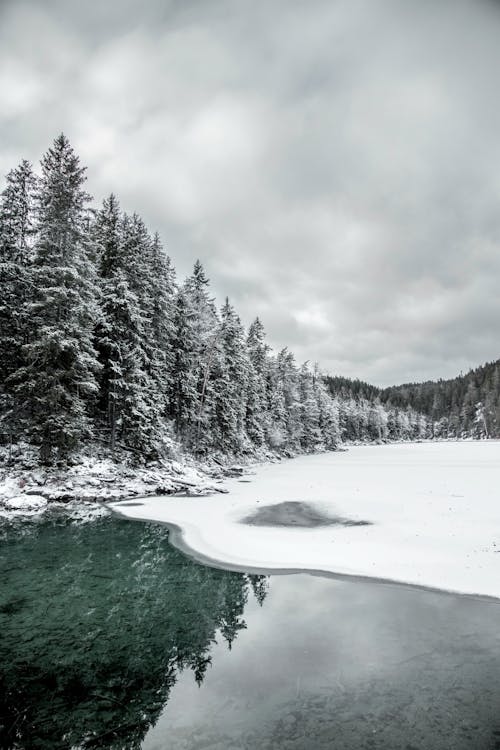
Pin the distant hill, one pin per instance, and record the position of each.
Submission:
(468, 405)
(347, 388)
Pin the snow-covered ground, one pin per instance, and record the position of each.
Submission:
(434, 508)
(30, 489)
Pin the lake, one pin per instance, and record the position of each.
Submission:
(112, 638)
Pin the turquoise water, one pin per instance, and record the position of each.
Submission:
(111, 638)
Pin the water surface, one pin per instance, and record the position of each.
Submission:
(111, 638)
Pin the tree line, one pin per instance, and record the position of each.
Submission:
(467, 406)
(99, 341)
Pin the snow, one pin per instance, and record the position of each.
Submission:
(434, 508)
(91, 480)
(26, 502)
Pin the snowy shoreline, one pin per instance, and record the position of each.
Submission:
(434, 510)
(177, 539)
(92, 482)
(434, 507)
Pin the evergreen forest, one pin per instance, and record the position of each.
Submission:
(101, 342)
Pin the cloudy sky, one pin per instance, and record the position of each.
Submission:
(335, 164)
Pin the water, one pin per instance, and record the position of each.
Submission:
(110, 638)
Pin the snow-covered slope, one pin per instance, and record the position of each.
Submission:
(434, 508)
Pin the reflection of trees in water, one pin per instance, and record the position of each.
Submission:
(260, 586)
(96, 622)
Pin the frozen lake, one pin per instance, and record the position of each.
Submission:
(426, 514)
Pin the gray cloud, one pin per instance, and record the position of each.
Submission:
(335, 165)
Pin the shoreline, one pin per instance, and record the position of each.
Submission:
(90, 478)
(408, 536)
(176, 538)
(425, 515)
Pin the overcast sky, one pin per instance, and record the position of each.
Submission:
(335, 164)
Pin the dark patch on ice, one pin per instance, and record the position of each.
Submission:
(245, 481)
(131, 505)
(299, 514)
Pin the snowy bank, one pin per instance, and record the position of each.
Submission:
(30, 489)
(434, 510)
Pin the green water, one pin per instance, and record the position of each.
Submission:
(96, 622)
(110, 638)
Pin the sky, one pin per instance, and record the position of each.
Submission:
(334, 164)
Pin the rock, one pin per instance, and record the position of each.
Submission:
(61, 497)
(25, 502)
(162, 489)
(233, 471)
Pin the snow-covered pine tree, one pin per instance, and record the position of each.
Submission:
(106, 231)
(377, 421)
(163, 287)
(330, 420)
(310, 434)
(352, 419)
(140, 266)
(58, 377)
(130, 396)
(16, 241)
(403, 424)
(182, 392)
(196, 287)
(117, 309)
(287, 373)
(231, 385)
(258, 349)
(136, 250)
(207, 356)
(257, 417)
(328, 412)
(277, 423)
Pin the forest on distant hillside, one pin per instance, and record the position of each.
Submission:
(465, 406)
(468, 404)
(100, 342)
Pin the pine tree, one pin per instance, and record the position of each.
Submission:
(310, 434)
(277, 417)
(163, 288)
(16, 241)
(131, 393)
(140, 265)
(328, 412)
(288, 375)
(58, 377)
(231, 385)
(183, 397)
(258, 350)
(106, 235)
(257, 418)
(207, 355)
